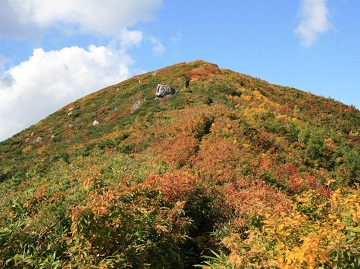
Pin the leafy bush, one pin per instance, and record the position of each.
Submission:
(316, 233)
(231, 172)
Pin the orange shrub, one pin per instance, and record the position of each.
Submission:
(217, 161)
(175, 185)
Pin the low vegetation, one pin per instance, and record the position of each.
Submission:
(230, 172)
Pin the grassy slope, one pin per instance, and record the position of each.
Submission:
(158, 185)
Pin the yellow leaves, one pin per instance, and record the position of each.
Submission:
(252, 111)
(26, 149)
(309, 242)
(308, 254)
(355, 213)
(259, 95)
(336, 195)
(338, 159)
(280, 116)
(245, 145)
(246, 97)
(299, 240)
(353, 204)
(338, 225)
(330, 180)
(323, 257)
(306, 198)
(330, 144)
(280, 227)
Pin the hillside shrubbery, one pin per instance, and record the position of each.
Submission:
(231, 172)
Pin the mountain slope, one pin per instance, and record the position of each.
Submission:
(122, 179)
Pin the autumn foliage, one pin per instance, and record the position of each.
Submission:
(230, 172)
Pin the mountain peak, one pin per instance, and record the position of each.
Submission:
(125, 177)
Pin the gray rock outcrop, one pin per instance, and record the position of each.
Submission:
(163, 90)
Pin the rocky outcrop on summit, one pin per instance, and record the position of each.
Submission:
(163, 90)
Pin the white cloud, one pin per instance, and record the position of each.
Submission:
(106, 17)
(11, 26)
(49, 80)
(314, 21)
(158, 47)
(130, 38)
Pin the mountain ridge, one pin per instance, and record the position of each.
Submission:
(120, 178)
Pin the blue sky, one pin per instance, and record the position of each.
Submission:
(54, 52)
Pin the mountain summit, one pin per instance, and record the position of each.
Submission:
(190, 164)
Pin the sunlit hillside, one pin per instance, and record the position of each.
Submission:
(229, 172)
